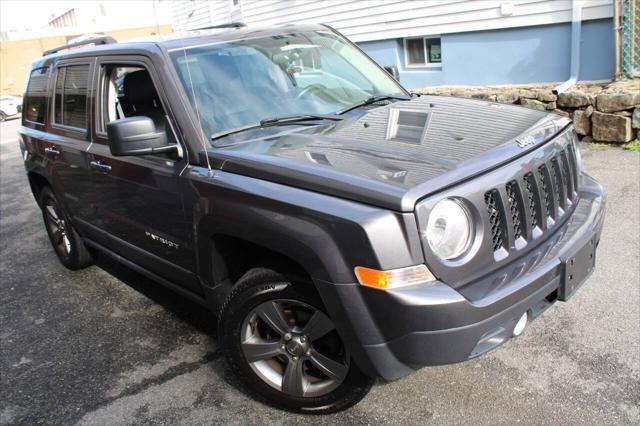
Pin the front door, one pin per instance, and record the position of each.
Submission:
(137, 208)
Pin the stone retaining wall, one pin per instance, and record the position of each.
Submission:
(601, 112)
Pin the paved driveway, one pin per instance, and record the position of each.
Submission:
(107, 346)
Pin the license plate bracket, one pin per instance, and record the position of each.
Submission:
(577, 269)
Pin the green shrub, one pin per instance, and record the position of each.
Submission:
(634, 145)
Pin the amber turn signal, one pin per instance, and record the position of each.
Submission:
(394, 278)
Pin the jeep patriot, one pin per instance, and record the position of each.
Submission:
(340, 228)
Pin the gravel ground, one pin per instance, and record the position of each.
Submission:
(107, 346)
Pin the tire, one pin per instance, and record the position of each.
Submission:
(316, 374)
(66, 242)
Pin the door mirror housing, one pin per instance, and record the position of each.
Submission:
(137, 136)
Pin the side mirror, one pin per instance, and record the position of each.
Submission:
(137, 136)
(393, 71)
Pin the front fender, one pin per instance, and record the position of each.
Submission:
(327, 236)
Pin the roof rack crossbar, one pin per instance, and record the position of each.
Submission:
(94, 41)
(226, 25)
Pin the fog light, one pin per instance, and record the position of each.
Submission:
(521, 324)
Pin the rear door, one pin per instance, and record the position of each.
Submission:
(136, 207)
(66, 141)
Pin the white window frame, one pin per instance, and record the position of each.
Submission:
(427, 64)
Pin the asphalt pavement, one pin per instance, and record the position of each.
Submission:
(107, 346)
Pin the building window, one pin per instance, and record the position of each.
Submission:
(424, 51)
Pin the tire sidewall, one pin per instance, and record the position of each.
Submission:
(243, 300)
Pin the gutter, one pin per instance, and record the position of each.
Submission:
(616, 40)
(576, 26)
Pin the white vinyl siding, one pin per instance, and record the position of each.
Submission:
(368, 20)
(191, 14)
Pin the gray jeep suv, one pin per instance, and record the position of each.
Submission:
(338, 227)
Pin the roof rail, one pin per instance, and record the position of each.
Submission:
(227, 25)
(94, 41)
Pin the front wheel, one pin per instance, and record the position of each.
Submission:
(284, 347)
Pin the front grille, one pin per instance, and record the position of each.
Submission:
(496, 220)
(558, 185)
(532, 198)
(516, 209)
(571, 155)
(525, 204)
(545, 189)
(569, 172)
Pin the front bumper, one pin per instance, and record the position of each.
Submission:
(392, 333)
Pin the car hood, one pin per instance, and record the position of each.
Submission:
(395, 154)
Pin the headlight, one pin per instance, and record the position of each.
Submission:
(449, 229)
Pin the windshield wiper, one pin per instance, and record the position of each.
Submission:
(277, 121)
(372, 100)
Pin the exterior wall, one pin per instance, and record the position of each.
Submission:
(368, 20)
(16, 55)
(507, 56)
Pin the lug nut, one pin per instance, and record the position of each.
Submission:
(303, 339)
(295, 358)
(308, 353)
(287, 336)
(283, 347)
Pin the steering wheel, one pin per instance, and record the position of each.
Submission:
(310, 89)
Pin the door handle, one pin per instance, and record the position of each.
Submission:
(51, 150)
(100, 166)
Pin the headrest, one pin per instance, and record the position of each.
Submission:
(138, 88)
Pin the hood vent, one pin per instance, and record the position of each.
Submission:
(407, 125)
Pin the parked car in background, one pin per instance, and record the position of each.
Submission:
(340, 228)
(10, 106)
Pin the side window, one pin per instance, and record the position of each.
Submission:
(70, 96)
(128, 91)
(35, 97)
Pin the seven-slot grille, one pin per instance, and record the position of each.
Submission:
(543, 194)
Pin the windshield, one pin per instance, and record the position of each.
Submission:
(242, 82)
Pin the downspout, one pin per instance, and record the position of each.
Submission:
(616, 40)
(576, 26)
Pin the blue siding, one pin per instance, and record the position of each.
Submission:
(507, 56)
(382, 51)
(596, 54)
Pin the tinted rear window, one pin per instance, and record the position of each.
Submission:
(36, 95)
(70, 99)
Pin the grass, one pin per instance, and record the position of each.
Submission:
(634, 145)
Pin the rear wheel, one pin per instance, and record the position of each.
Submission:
(285, 348)
(65, 240)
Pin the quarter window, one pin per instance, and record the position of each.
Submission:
(422, 51)
(36, 96)
(70, 97)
